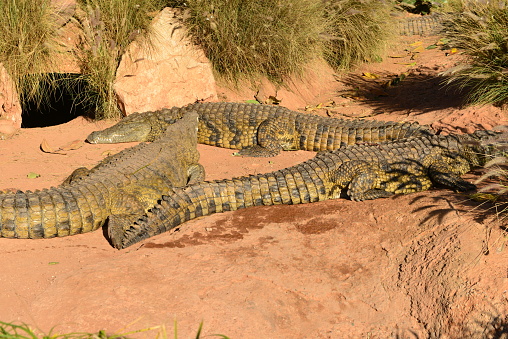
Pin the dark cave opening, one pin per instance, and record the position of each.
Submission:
(62, 102)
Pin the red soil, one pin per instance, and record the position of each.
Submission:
(422, 265)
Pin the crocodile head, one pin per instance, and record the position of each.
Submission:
(121, 132)
(483, 145)
(134, 127)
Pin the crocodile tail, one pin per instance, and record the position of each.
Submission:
(327, 134)
(295, 185)
(49, 213)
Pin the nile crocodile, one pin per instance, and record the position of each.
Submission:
(359, 172)
(126, 184)
(258, 130)
(422, 25)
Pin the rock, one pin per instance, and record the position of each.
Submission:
(173, 73)
(63, 10)
(10, 107)
(7, 129)
(316, 83)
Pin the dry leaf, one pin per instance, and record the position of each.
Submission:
(272, 100)
(406, 63)
(417, 43)
(46, 148)
(107, 153)
(418, 49)
(73, 145)
(370, 75)
(330, 103)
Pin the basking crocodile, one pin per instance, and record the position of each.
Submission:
(126, 184)
(424, 25)
(258, 130)
(359, 172)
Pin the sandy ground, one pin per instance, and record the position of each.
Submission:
(425, 265)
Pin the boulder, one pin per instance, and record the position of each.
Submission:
(173, 72)
(10, 108)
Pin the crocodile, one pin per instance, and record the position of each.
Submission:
(126, 184)
(258, 130)
(358, 172)
(425, 25)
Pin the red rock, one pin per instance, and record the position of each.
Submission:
(173, 73)
(10, 108)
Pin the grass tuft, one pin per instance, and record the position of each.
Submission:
(496, 191)
(108, 27)
(28, 38)
(357, 31)
(481, 31)
(245, 39)
(24, 331)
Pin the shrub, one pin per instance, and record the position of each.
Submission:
(27, 41)
(481, 32)
(108, 26)
(357, 31)
(244, 39)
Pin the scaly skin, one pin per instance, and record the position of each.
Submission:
(422, 25)
(126, 184)
(258, 130)
(359, 172)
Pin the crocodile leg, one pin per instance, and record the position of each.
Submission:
(362, 179)
(445, 173)
(195, 173)
(77, 174)
(273, 136)
(445, 168)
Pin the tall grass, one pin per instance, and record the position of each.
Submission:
(496, 191)
(245, 39)
(357, 31)
(481, 31)
(108, 27)
(28, 35)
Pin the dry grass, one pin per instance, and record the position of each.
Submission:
(108, 27)
(245, 39)
(496, 191)
(481, 32)
(357, 31)
(28, 34)
(24, 331)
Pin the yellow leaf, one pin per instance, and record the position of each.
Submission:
(406, 63)
(417, 43)
(397, 56)
(370, 75)
(453, 50)
(418, 49)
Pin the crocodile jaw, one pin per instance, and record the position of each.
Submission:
(129, 132)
